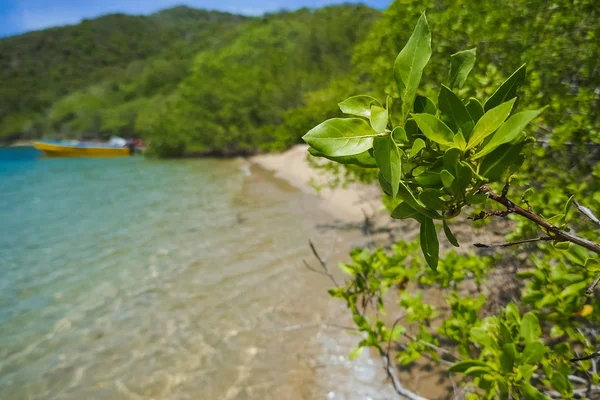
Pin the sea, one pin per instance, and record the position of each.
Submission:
(133, 278)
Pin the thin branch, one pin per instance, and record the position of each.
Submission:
(587, 212)
(515, 243)
(588, 357)
(401, 390)
(312, 269)
(557, 233)
(593, 286)
(322, 262)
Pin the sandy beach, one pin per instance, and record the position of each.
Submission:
(350, 203)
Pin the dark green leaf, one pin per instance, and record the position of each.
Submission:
(461, 64)
(408, 67)
(495, 164)
(488, 124)
(405, 194)
(388, 160)
(431, 199)
(358, 105)
(429, 243)
(429, 179)
(475, 109)
(463, 176)
(385, 185)
(477, 199)
(404, 211)
(507, 90)
(449, 235)
(454, 112)
(530, 327)
(424, 105)
(364, 159)
(509, 131)
(508, 357)
(451, 159)
(341, 137)
(378, 118)
(434, 129)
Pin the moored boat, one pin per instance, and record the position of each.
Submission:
(82, 149)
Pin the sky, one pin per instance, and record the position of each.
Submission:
(20, 16)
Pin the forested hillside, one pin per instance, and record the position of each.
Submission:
(157, 76)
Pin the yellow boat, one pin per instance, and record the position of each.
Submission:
(75, 149)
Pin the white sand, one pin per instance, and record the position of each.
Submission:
(345, 203)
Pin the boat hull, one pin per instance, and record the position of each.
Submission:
(59, 150)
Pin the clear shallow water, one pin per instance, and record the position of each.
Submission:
(128, 278)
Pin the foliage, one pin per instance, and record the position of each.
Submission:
(186, 80)
(440, 155)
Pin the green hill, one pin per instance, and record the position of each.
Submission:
(119, 74)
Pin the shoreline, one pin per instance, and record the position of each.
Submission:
(351, 203)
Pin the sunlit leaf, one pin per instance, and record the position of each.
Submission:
(358, 105)
(488, 124)
(341, 137)
(461, 64)
(408, 67)
(434, 129)
(507, 90)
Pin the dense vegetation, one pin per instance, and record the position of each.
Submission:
(186, 80)
(446, 141)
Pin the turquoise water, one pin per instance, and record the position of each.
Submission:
(130, 278)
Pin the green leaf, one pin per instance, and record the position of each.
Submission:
(568, 205)
(454, 112)
(464, 175)
(577, 289)
(404, 211)
(533, 353)
(451, 159)
(508, 357)
(462, 366)
(448, 181)
(509, 131)
(459, 141)
(429, 179)
(408, 67)
(495, 164)
(461, 64)
(478, 371)
(418, 145)
(507, 90)
(512, 313)
(429, 243)
(561, 383)
(385, 185)
(488, 124)
(364, 159)
(449, 235)
(530, 327)
(405, 194)
(477, 198)
(354, 354)
(358, 105)
(341, 137)
(431, 199)
(378, 118)
(527, 195)
(530, 392)
(475, 109)
(434, 129)
(388, 160)
(399, 135)
(424, 105)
